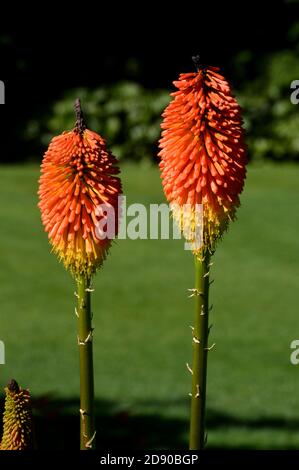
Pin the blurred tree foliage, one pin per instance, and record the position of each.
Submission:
(124, 92)
(129, 115)
(271, 120)
(125, 113)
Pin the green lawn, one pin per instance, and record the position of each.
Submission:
(142, 315)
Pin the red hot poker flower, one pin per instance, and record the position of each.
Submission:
(17, 419)
(77, 176)
(203, 154)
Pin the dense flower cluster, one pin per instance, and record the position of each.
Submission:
(78, 176)
(203, 154)
(17, 419)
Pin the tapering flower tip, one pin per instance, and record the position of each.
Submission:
(203, 154)
(17, 419)
(78, 188)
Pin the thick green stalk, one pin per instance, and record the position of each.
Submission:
(200, 353)
(87, 426)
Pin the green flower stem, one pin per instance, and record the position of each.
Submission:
(200, 353)
(87, 425)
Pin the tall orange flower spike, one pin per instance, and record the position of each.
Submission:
(77, 176)
(203, 154)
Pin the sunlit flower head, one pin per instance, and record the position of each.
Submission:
(203, 154)
(78, 175)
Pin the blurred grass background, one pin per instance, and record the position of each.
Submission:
(142, 315)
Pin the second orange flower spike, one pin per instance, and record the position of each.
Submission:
(203, 154)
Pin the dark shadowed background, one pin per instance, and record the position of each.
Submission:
(122, 59)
